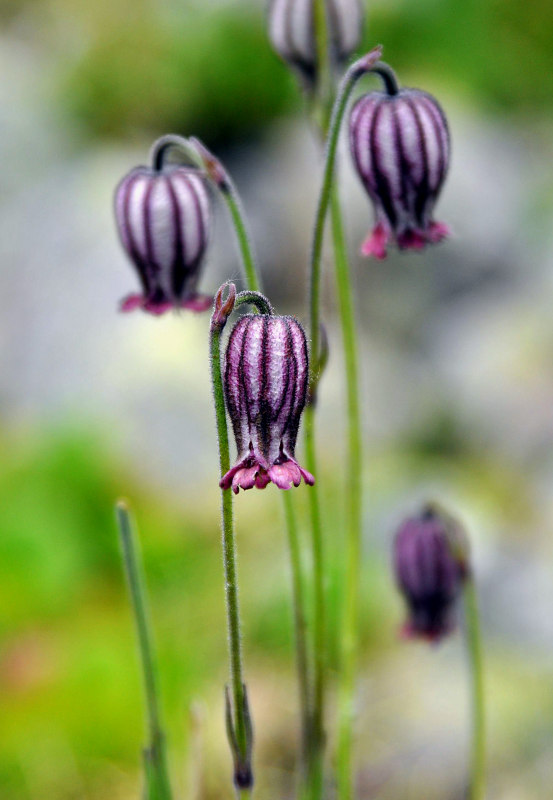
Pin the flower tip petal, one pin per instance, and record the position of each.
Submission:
(280, 476)
(374, 245)
(226, 480)
(131, 302)
(438, 231)
(307, 476)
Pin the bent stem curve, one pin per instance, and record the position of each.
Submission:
(197, 153)
(474, 650)
(155, 759)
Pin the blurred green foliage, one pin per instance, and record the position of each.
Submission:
(69, 677)
(208, 68)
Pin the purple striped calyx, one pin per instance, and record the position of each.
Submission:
(164, 220)
(400, 145)
(265, 380)
(431, 564)
(292, 32)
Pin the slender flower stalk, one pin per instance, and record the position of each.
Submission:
(155, 761)
(300, 629)
(474, 650)
(351, 77)
(356, 71)
(350, 618)
(239, 727)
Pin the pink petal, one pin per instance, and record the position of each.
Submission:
(132, 302)
(262, 480)
(438, 231)
(375, 244)
(284, 475)
(307, 476)
(244, 478)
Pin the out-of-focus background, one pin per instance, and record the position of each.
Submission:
(457, 393)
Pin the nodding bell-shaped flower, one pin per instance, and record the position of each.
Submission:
(164, 219)
(431, 566)
(400, 144)
(292, 32)
(265, 380)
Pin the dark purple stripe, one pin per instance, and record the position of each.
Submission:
(287, 384)
(440, 127)
(422, 190)
(263, 422)
(404, 166)
(140, 263)
(367, 107)
(233, 376)
(290, 428)
(178, 273)
(242, 377)
(147, 220)
(383, 187)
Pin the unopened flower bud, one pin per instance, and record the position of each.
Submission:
(223, 309)
(400, 144)
(292, 32)
(431, 565)
(164, 220)
(265, 379)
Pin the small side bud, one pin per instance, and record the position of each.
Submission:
(241, 752)
(211, 164)
(367, 62)
(222, 309)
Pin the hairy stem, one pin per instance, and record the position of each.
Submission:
(474, 649)
(157, 778)
(238, 722)
(221, 178)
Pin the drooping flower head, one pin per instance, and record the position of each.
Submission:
(431, 565)
(292, 32)
(164, 218)
(400, 144)
(265, 381)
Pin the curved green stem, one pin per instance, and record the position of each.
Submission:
(221, 178)
(196, 152)
(474, 648)
(350, 614)
(157, 777)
